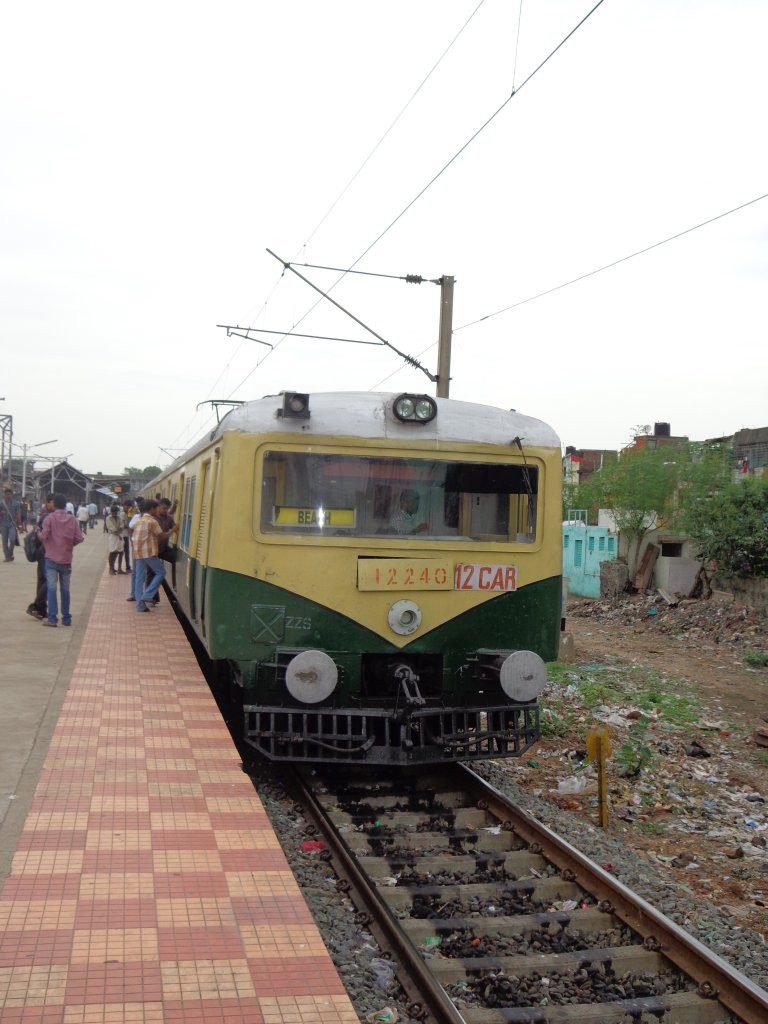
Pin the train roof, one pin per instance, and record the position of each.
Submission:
(358, 414)
(369, 414)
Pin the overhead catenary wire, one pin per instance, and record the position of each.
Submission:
(333, 205)
(583, 277)
(413, 96)
(431, 182)
(614, 263)
(479, 132)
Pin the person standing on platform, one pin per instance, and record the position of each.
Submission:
(129, 511)
(38, 609)
(60, 534)
(165, 549)
(115, 541)
(82, 517)
(93, 510)
(133, 511)
(10, 521)
(147, 534)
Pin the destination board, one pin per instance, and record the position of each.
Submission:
(314, 518)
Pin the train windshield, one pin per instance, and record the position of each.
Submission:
(426, 499)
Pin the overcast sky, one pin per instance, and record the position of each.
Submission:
(151, 153)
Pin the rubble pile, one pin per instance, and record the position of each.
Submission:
(711, 621)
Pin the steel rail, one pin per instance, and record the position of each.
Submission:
(420, 985)
(716, 978)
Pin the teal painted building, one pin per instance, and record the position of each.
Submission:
(584, 548)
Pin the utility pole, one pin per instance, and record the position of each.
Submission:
(444, 341)
(6, 440)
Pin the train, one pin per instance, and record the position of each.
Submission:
(379, 575)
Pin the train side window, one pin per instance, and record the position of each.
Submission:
(187, 510)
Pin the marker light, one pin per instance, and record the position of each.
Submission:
(295, 406)
(414, 408)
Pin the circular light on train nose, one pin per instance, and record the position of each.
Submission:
(404, 408)
(424, 409)
(311, 676)
(523, 676)
(404, 617)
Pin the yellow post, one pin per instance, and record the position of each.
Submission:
(599, 749)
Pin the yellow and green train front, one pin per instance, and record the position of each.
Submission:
(382, 604)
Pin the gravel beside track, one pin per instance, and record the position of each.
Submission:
(353, 951)
(745, 949)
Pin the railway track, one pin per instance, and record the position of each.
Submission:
(490, 917)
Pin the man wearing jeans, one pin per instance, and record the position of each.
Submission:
(147, 533)
(60, 533)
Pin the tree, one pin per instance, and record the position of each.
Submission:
(639, 491)
(147, 473)
(729, 526)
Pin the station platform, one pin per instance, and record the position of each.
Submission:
(141, 879)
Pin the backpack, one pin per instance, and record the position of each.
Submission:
(33, 546)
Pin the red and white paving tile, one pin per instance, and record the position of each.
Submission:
(148, 885)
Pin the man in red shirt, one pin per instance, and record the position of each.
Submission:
(60, 533)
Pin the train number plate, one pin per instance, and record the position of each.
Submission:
(404, 574)
(470, 576)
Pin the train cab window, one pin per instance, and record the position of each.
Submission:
(321, 494)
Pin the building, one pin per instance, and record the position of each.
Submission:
(580, 463)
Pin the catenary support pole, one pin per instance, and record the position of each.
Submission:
(446, 332)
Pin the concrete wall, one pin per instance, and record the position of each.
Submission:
(750, 593)
(675, 574)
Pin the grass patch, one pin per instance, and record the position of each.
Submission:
(643, 688)
(755, 659)
(652, 828)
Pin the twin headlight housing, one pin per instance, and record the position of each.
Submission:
(414, 408)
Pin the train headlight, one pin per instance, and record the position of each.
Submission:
(523, 676)
(295, 406)
(414, 408)
(311, 676)
(404, 617)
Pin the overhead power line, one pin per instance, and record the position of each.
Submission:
(479, 132)
(431, 182)
(416, 92)
(341, 195)
(615, 263)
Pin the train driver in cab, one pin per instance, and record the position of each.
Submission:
(406, 520)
